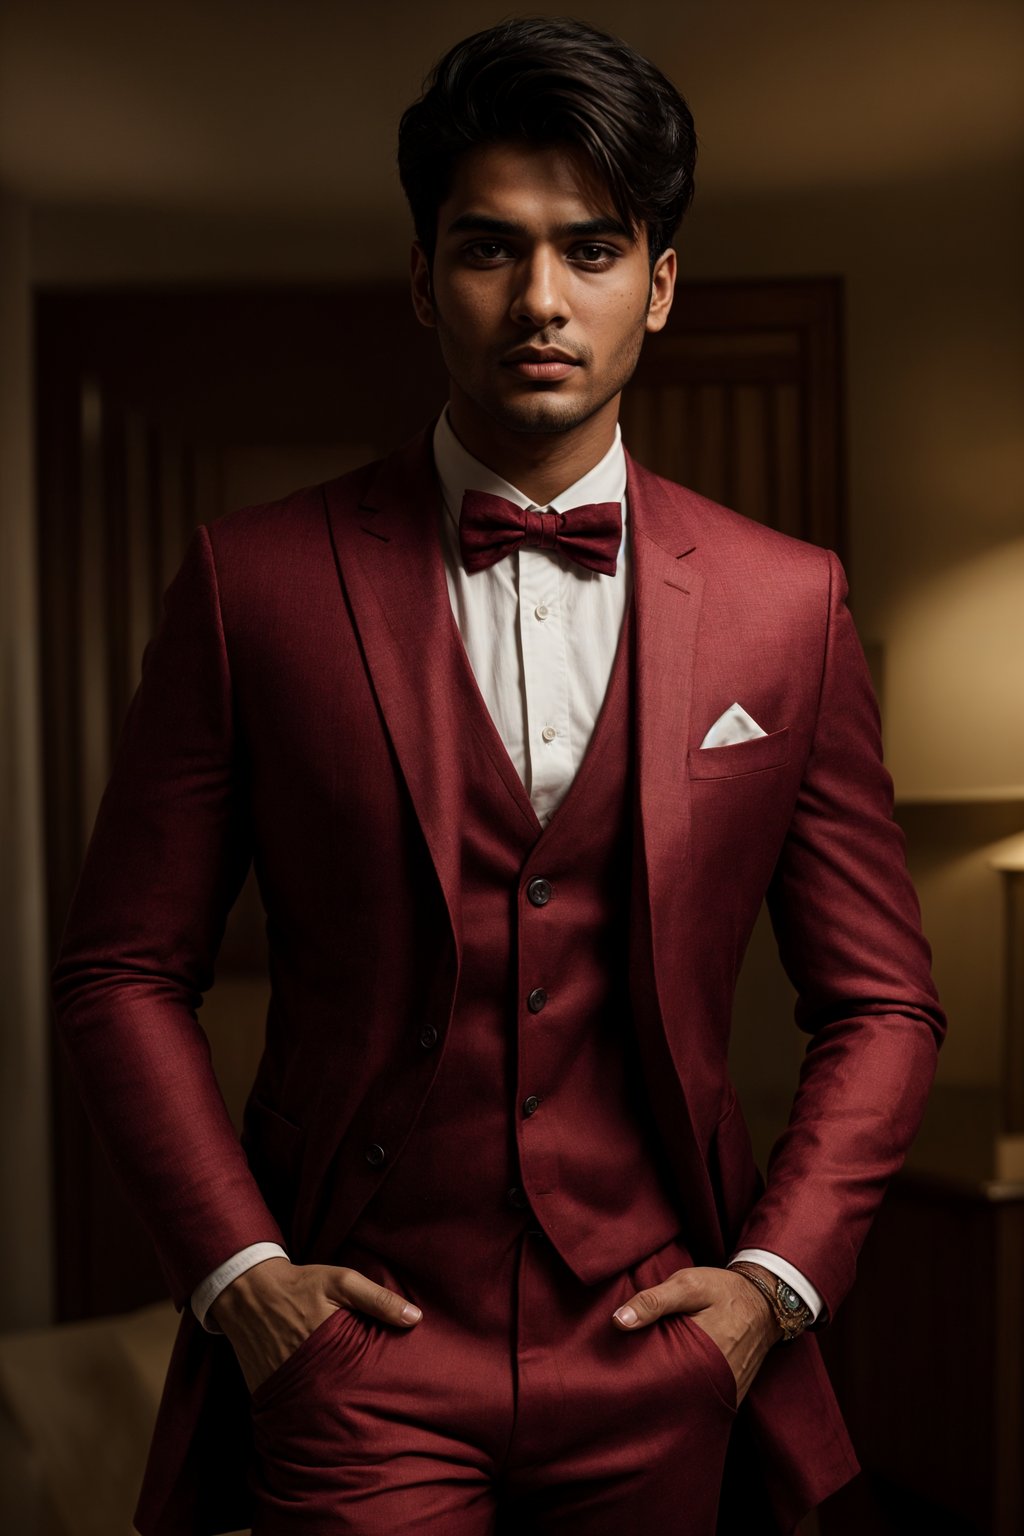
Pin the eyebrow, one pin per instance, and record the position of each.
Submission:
(482, 223)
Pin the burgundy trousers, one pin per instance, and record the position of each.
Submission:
(515, 1405)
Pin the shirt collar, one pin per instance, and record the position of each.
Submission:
(459, 472)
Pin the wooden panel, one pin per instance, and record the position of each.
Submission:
(927, 1355)
(741, 399)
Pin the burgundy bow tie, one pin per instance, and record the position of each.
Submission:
(491, 528)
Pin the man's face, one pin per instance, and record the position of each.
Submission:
(540, 297)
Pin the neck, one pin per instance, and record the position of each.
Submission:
(540, 464)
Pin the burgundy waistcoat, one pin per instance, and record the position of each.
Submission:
(537, 1114)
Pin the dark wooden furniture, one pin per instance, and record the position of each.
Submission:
(927, 1353)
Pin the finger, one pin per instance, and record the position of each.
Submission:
(681, 1292)
(358, 1291)
(642, 1309)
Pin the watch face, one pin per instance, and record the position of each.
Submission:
(789, 1298)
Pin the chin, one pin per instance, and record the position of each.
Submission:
(542, 414)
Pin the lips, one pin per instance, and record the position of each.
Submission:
(545, 364)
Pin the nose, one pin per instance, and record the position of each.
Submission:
(539, 299)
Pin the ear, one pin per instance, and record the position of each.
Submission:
(422, 287)
(663, 287)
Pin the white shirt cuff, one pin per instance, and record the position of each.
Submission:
(788, 1272)
(207, 1291)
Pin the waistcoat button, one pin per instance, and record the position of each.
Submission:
(539, 891)
(428, 1036)
(375, 1155)
(517, 1197)
(536, 1000)
(530, 1105)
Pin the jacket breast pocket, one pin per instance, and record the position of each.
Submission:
(752, 756)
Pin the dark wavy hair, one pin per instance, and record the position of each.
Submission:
(554, 81)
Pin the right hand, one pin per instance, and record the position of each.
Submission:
(270, 1309)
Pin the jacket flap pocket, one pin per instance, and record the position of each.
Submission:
(272, 1142)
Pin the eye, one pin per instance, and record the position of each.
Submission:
(485, 252)
(594, 254)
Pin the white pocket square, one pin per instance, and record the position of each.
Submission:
(732, 727)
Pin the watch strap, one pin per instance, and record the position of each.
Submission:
(790, 1311)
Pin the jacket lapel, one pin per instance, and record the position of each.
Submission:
(668, 591)
(391, 566)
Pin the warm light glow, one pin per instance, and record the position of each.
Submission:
(954, 720)
(1008, 856)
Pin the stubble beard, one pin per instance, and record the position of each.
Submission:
(540, 410)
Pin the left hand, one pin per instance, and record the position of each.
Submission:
(729, 1309)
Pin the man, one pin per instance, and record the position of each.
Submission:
(519, 736)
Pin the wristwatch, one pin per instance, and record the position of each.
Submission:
(790, 1311)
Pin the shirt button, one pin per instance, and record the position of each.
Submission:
(375, 1155)
(549, 733)
(531, 1105)
(536, 1000)
(542, 610)
(539, 891)
(428, 1036)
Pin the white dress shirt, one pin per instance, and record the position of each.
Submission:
(541, 633)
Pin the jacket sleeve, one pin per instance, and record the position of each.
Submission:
(168, 854)
(847, 923)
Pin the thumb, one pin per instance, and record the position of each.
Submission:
(352, 1289)
(682, 1292)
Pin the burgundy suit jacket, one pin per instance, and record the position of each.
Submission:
(296, 710)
